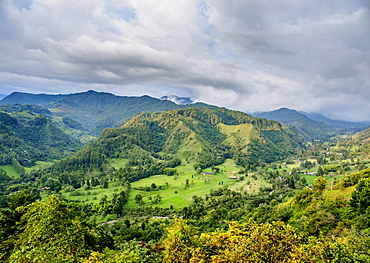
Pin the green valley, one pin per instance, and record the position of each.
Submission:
(211, 184)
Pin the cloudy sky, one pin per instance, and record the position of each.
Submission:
(249, 55)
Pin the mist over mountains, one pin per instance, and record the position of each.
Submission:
(178, 100)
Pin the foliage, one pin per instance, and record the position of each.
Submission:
(51, 231)
(251, 242)
(360, 201)
(26, 137)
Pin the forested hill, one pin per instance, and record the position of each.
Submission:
(94, 111)
(199, 136)
(309, 128)
(29, 98)
(26, 137)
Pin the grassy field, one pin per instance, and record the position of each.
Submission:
(9, 169)
(175, 190)
(118, 163)
(13, 173)
(178, 191)
(39, 165)
(94, 194)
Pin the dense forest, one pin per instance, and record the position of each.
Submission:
(183, 185)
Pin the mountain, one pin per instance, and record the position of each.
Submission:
(338, 125)
(94, 111)
(203, 137)
(26, 137)
(307, 127)
(178, 100)
(2, 96)
(29, 98)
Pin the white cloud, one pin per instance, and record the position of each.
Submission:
(248, 55)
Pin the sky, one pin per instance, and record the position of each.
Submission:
(248, 55)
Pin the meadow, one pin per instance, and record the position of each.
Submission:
(175, 191)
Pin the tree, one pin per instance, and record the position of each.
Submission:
(319, 184)
(170, 171)
(139, 198)
(9, 220)
(157, 199)
(95, 181)
(179, 243)
(54, 184)
(360, 200)
(105, 184)
(118, 202)
(52, 232)
(320, 171)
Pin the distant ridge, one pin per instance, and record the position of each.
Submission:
(339, 125)
(310, 129)
(29, 98)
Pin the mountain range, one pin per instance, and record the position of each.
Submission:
(94, 111)
(311, 126)
(87, 114)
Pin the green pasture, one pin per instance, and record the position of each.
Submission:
(9, 169)
(118, 162)
(94, 194)
(174, 190)
(39, 165)
(13, 173)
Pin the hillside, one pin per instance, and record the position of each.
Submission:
(205, 135)
(94, 111)
(27, 137)
(308, 128)
(362, 136)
